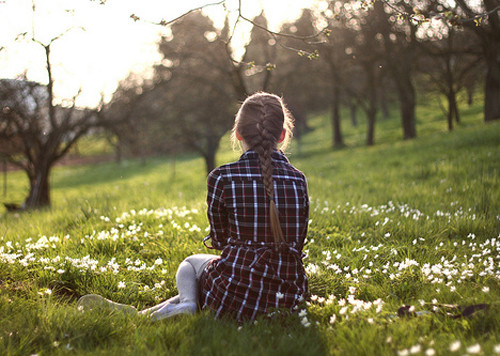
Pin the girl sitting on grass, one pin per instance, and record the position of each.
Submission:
(258, 211)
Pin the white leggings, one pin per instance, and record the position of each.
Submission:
(188, 275)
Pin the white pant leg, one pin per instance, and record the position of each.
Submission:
(187, 277)
(173, 300)
(199, 262)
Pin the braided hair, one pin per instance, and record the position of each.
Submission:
(260, 121)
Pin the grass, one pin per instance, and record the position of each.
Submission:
(411, 223)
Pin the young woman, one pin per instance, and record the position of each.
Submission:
(258, 211)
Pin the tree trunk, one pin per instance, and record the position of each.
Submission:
(449, 117)
(454, 106)
(118, 153)
(406, 94)
(353, 110)
(492, 85)
(371, 111)
(39, 195)
(4, 177)
(470, 94)
(370, 133)
(400, 64)
(337, 132)
(210, 161)
(383, 102)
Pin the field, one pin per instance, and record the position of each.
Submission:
(411, 224)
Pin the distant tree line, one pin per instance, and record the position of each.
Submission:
(366, 59)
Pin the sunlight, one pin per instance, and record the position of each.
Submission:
(104, 43)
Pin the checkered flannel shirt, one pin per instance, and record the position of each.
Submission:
(254, 274)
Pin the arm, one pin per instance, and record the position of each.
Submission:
(306, 213)
(216, 210)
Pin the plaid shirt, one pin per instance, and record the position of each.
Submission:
(254, 274)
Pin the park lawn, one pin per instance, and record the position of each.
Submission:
(403, 223)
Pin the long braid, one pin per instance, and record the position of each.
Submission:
(264, 152)
(260, 122)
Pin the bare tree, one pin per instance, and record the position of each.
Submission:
(448, 67)
(43, 132)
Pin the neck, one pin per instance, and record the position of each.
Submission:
(244, 146)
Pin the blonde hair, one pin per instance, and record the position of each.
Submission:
(260, 121)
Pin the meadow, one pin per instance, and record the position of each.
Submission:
(408, 226)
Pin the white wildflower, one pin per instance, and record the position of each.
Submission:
(121, 284)
(474, 349)
(415, 349)
(305, 322)
(455, 346)
(333, 318)
(279, 295)
(430, 352)
(486, 289)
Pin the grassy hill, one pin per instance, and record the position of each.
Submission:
(403, 223)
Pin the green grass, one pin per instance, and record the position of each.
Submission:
(400, 223)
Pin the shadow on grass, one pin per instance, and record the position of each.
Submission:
(282, 336)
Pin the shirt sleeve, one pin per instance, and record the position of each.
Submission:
(216, 210)
(306, 213)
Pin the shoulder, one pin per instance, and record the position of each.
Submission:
(284, 167)
(247, 167)
(223, 172)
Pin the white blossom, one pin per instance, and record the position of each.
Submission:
(474, 349)
(455, 346)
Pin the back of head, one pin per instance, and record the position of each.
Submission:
(260, 121)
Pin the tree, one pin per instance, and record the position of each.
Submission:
(41, 132)
(299, 75)
(133, 120)
(262, 51)
(336, 52)
(197, 85)
(484, 21)
(399, 39)
(449, 65)
(483, 18)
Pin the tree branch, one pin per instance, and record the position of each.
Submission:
(166, 23)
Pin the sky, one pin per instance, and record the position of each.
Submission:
(103, 44)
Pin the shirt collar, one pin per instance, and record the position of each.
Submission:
(251, 154)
